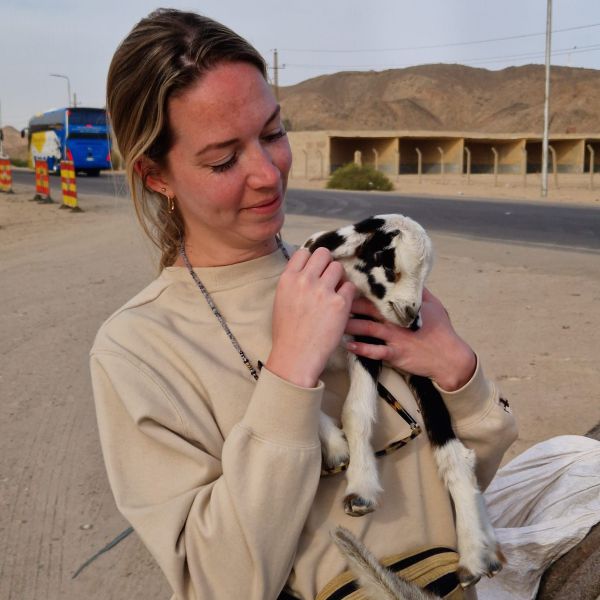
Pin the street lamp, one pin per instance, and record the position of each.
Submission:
(68, 84)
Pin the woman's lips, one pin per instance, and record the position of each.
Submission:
(267, 207)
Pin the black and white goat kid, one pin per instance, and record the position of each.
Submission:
(388, 258)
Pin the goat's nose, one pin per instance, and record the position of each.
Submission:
(411, 312)
(405, 314)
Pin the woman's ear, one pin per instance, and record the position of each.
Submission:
(150, 174)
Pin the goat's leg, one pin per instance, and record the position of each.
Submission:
(358, 417)
(334, 446)
(478, 548)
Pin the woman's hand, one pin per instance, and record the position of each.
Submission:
(311, 309)
(434, 351)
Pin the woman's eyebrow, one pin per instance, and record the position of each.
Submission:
(219, 145)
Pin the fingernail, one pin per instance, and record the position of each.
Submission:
(350, 346)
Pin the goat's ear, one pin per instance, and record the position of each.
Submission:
(346, 241)
(331, 240)
(369, 225)
(342, 243)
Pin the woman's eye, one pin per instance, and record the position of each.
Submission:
(224, 166)
(272, 137)
(275, 136)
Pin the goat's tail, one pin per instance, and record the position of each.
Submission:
(378, 582)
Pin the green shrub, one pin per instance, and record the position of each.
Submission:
(355, 177)
(18, 162)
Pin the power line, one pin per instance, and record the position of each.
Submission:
(561, 52)
(571, 50)
(453, 44)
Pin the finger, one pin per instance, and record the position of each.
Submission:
(347, 291)
(343, 280)
(369, 328)
(429, 297)
(376, 352)
(318, 262)
(364, 306)
(298, 260)
(333, 275)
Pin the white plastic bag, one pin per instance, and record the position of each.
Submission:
(542, 504)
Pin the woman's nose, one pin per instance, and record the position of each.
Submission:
(263, 172)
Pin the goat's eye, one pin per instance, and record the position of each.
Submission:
(391, 275)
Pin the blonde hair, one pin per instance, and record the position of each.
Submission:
(163, 55)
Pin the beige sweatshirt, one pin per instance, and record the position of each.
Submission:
(220, 474)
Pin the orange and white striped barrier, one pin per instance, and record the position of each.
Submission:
(69, 185)
(42, 183)
(5, 176)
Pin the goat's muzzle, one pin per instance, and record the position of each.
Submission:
(407, 316)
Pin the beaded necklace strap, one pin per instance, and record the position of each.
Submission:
(215, 310)
(383, 392)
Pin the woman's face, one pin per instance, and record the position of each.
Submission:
(229, 164)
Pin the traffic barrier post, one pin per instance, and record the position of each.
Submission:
(69, 186)
(42, 183)
(5, 176)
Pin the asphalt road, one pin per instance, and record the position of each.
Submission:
(575, 227)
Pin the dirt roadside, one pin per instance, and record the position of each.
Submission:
(531, 313)
(571, 188)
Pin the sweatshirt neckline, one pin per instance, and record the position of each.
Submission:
(226, 276)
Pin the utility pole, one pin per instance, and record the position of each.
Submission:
(276, 74)
(547, 101)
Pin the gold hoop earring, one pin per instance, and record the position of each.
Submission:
(170, 200)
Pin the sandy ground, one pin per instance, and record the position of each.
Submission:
(531, 313)
(565, 189)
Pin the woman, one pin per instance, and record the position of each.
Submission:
(214, 461)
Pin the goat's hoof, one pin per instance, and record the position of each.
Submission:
(490, 565)
(335, 453)
(357, 506)
(495, 561)
(335, 462)
(494, 568)
(466, 578)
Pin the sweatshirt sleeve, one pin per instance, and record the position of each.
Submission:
(483, 421)
(220, 525)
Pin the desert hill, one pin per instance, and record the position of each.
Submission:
(446, 97)
(14, 145)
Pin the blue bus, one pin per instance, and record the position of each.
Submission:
(77, 134)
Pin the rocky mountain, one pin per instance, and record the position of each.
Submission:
(446, 97)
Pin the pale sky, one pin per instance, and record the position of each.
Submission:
(78, 37)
